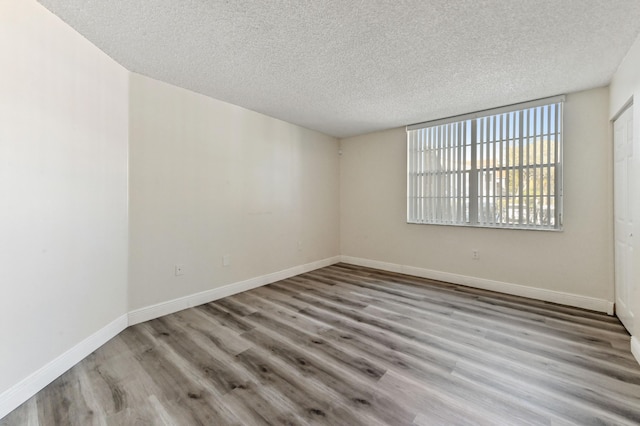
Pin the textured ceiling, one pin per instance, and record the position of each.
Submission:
(352, 67)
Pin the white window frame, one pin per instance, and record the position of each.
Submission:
(449, 160)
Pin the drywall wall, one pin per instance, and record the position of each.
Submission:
(209, 179)
(625, 86)
(63, 189)
(577, 260)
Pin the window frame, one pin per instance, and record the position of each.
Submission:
(474, 203)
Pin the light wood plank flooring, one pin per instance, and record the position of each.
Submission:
(347, 345)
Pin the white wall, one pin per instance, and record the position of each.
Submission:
(63, 189)
(576, 261)
(625, 85)
(209, 179)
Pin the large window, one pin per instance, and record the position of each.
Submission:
(500, 168)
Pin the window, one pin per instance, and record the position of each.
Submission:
(500, 168)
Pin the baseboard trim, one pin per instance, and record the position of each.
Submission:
(562, 298)
(13, 397)
(635, 348)
(175, 305)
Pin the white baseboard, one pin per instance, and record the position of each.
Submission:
(13, 397)
(175, 305)
(635, 348)
(569, 299)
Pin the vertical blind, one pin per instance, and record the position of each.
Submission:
(496, 168)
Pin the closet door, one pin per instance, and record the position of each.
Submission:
(623, 205)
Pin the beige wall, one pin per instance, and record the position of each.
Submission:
(63, 189)
(625, 86)
(209, 179)
(576, 261)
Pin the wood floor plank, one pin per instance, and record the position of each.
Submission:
(25, 415)
(474, 305)
(543, 357)
(311, 404)
(570, 409)
(436, 407)
(225, 340)
(464, 350)
(254, 405)
(466, 308)
(182, 396)
(428, 312)
(356, 393)
(349, 345)
(414, 360)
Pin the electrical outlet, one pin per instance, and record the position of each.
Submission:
(475, 254)
(299, 245)
(226, 260)
(179, 269)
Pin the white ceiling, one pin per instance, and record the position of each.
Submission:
(347, 67)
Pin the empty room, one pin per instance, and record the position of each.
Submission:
(319, 212)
